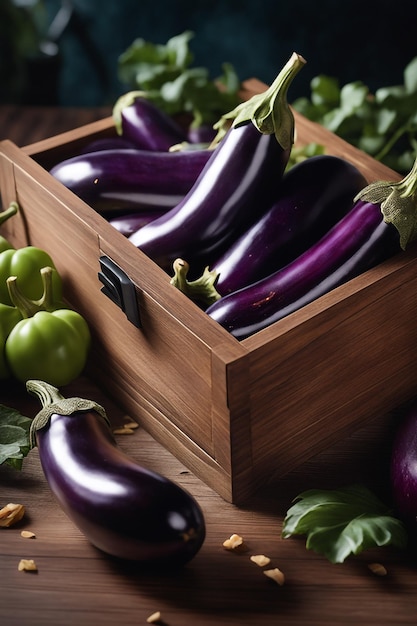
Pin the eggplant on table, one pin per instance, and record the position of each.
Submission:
(121, 507)
(382, 221)
(404, 466)
(237, 185)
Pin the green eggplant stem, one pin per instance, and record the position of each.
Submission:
(269, 111)
(124, 101)
(47, 394)
(53, 402)
(398, 202)
(200, 290)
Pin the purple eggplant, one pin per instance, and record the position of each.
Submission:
(203, 134)
(122, 508)
(109, 180)
(237, 185)
(129, 223)
(141, 122)
(107, 143)
(383, 221)
(404, 466)
(312, 197)
(360, 240)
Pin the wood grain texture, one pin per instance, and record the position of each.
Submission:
(320, 372)
(76, 584)
(234, 422)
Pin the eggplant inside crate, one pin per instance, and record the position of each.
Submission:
(236, 413)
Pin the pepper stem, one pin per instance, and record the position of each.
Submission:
(268, 111)
(26, 306)
(11, 210)
(202, 290)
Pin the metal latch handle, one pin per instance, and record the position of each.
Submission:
(119, 288)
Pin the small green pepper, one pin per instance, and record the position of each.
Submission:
(9, 317)
(25, 264)
(46, 345)
(4, 215)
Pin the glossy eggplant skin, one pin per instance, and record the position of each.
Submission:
(202, 134)
(237, 185)
(107, 143)
(312, 197)
(122, 508)
(403, 471)
(357, 242)
(109, 180)
(129, 223)
(148, 127)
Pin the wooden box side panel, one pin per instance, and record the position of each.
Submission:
(162, 363)
(133, 354)
(51, 151)
(45, 222)
(343, 359)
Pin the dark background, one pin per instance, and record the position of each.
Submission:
(356, 40)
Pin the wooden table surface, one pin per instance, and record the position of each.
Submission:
(76, 584)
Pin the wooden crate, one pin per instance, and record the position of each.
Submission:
(238, 414)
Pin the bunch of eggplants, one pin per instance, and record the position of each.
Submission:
(248, 239)
(381, 222)
(147, 168)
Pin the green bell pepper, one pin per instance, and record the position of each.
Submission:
(9, 317)
(4, 215)
(46, 345)
(25, 264)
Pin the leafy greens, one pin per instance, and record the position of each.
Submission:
(383, 124)
(166, 75)
(14, 437)
(342, 522)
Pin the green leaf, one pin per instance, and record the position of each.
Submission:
(353, 96)
(165, 74)
(14, 437)
(325, 90)
(229, 80)
(355, 115)
(371, 144)
(385, 120)
(342, 522)
(410, 76)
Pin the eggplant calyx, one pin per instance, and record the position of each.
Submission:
(126, 100)
(202, 290)
(11, 210)
(268, 111)
(398, 202)
(54, 403)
